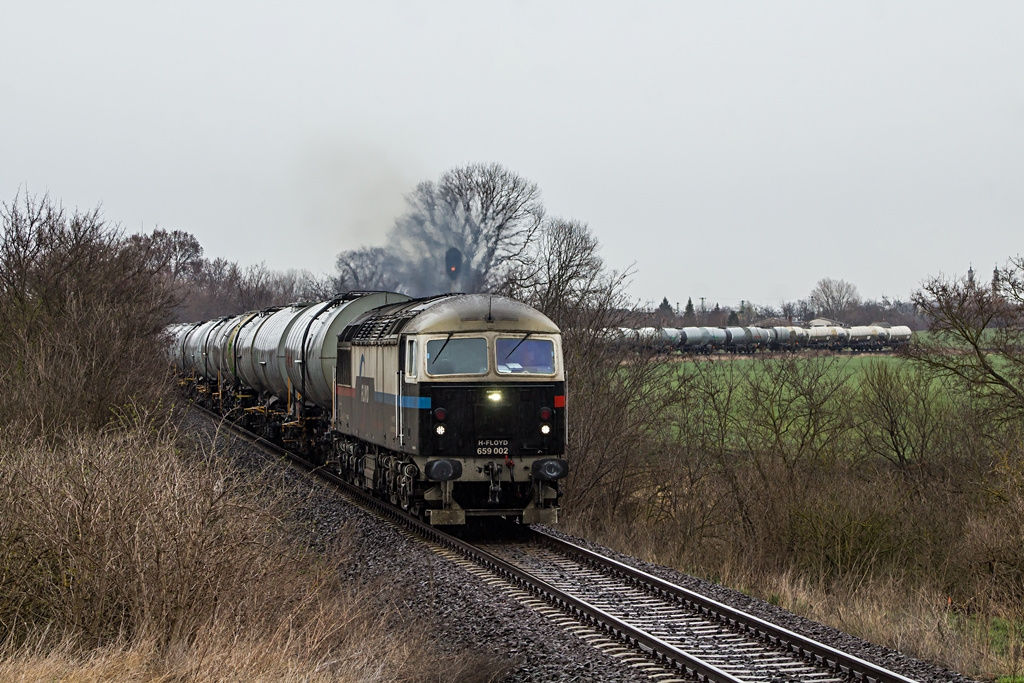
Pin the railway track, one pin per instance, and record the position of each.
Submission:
(684, 633)
(719, 642)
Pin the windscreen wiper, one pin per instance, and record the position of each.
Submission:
(517, 345)
(441, 350)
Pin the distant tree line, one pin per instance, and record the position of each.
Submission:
(836, 300)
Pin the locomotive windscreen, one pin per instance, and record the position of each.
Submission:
(463, 356)
(521, 355)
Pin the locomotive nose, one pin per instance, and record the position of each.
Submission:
(550, 469)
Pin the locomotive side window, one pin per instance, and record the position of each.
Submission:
(525, 355)
(410, 360)
(464, 356)
(345, 367)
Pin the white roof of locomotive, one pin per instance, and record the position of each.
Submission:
(478, 312)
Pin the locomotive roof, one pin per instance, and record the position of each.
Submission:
(474, 312)
(444, 314)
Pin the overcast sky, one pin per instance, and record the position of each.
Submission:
(728, 150)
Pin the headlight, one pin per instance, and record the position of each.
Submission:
(494, 396)
(440, 430)
(545, 429)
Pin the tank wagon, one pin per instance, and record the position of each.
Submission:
(451, 407)
(781, 338)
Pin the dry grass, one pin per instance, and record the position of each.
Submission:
(130, 557)
(920, 622)
(370, 656)
(125, 554)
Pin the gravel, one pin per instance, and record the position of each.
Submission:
(467, 614)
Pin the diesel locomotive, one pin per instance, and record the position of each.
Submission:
(451, 407)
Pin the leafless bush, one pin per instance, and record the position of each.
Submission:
(114, 535)
(81, 310)
(783, 467)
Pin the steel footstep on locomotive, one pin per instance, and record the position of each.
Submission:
(451, 407)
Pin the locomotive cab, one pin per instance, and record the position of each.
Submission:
(458, 408)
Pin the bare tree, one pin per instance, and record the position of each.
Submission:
(834, 299)
(311, 287)
(366, 268)
(487, 212)
(901, 414)
(977, 336)
(177, 253)
(253, 286)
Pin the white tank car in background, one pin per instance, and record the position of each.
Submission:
(739, 339)
(899, 334)
(694, 338)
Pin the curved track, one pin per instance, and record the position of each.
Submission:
(686, 633)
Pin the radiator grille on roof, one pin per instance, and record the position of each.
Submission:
(378, 330)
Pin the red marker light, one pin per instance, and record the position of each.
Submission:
(440, 414)
(545, 414)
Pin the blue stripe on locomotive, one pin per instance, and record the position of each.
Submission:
(420, 402)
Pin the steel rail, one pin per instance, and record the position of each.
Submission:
(771, 633)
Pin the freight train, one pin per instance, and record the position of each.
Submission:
(779, 338)
(451, 407)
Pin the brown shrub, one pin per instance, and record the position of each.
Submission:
(81, 311)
